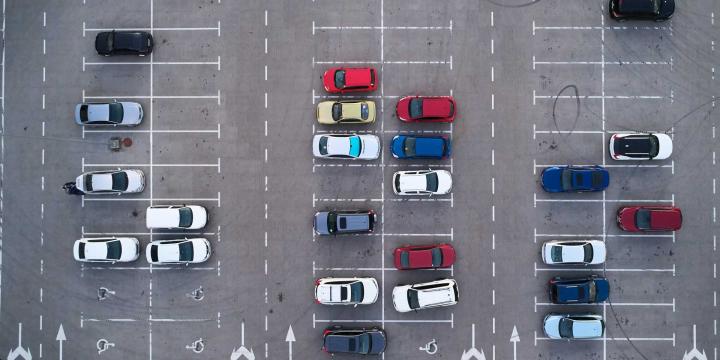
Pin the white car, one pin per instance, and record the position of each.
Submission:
(110, 249)
(573, 326)
(363, 147)
(422, 182)
(111, 182)
(640, 146)
(432, 294)
(346, 291)
(176, 217)
(180, 251)
(573, 252)
(122, 113)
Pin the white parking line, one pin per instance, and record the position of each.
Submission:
(599, 270)
(535, 62)
(432, 166)
(536, 200)
(217, 28)
(147, 63)
(450, 321)
(631, 339)
(535, 28)
(216, 165)
(614, 303)
(315, 27)
(154, 268)
(391, 62)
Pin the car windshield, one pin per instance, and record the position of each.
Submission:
(409, 146)
(597, 179)
(363, 345)
(364, 111)
(405, 259)
(119, 181)
(186, 251)
(340, 79)
(566, 179)
(588, 250)
(337, 111)
(566, 326)
(556, 253)
(186, 217)
(332, 222)
(654, 146)
(116, 113)
(432, 182)
(356, 292)
(323, 145)
(436, 257)
(412, 296)
(83, 113)
(416, 108)
(355, 146)
(110, 39)
(642, 219)
(114, 250)
(154, 253)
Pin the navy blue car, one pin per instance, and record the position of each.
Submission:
(354, 341)
(574, 179)
(420, 147)
(587, 290)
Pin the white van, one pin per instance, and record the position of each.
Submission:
(176, 217)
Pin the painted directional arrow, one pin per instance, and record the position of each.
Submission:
(695, 354)
(514, 339)
(60, 338)
(473, 353)
(290, 338)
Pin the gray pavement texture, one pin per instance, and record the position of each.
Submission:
(229, 97)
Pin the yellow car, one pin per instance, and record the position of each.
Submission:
(346, 112)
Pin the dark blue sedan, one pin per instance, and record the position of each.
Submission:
(587, 290)
(420, 147)
(574, 179)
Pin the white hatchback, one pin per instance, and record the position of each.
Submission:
(346, 291)
(573, 252)
(176, 217)
(432, 294)
(110, 249)
(180, 251)
(422, 182)
(111, 182)
(362, 147)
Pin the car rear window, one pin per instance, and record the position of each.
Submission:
(415, 108)
(81, 250)
(83, 113)
(186, 217)
(556, 253)
(588, 250)
(323, 145)
(340, 79)
(154, 253)
(413, 301)
(119, 181)
(437, 257)
(88, 183)
(364, 111)
(432, 181)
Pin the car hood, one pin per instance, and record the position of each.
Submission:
(321, 223)
(551, 326)
(437, 107)
(444, 182)
(587, 329)
(399, 297)
(136, 181)
(370, 147)
(551, 179)
(132, 113)
(429, 146)
(602, 290)
(378, 342)
(665, 219)
(665, 146)
(324, 112)
(370, 289)
(599, 252)
(200, 217)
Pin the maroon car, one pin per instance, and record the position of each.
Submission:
(649, 218)
(410, 257)
(426, 109)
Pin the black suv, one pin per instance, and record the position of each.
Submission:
(124, 43)
(344, 222)
(658, 10)
(354, 341)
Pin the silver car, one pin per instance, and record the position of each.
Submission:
(573, 326)
(114, 113)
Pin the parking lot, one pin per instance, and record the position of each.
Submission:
(229, 95)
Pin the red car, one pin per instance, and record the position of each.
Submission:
(649, 218)
(424, 256)
(426, 109)
(343, 80)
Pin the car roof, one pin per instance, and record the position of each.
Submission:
(435, 296)
(412, 182)
(98, 112)
(421, 257)
(634, 144)
(357, 77)
(572, 253)
(353, 221)
(637, 6)
(586, 328)
(343, 342)
(437, 107)
(429, 146)
(168, 252)
(96, 250)
(101, 181)
(351, 110)
(162, 216)
(332, 292)
(572, 291)
(338, 145)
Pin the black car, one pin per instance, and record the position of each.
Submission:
(344, 222)
(354, 341)
(124, 43)
(586, 290)
(658, 10)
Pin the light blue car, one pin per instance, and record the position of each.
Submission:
(573, 326)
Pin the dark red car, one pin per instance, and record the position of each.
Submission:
(649, 218)
(343, 80)
(424, 256)
(426, 109)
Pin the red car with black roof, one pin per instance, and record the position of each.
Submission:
(426, 109)
(649, 218)
(435, 256)
(340, 80)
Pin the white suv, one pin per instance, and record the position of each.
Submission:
(426, 295)
(176, 217)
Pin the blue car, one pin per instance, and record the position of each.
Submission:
(574, 179)
(586, 290)
(420, 147)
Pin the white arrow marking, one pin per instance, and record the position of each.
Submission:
(514, 339)
(290, 338)
(60, 338)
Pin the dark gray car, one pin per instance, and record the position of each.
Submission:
(344, 222)
(355, 341)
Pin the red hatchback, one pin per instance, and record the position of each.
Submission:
(424, 256)
(342, 80)
(649, 218)
(426, 109)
